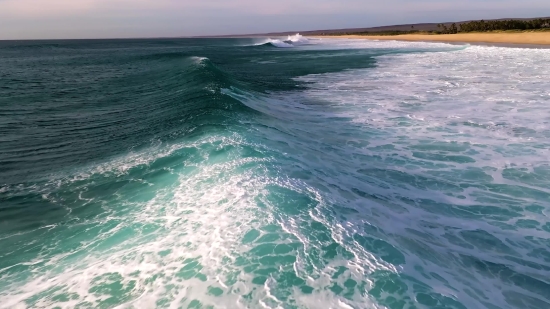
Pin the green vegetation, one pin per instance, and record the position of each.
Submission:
(500, 25)
(444, 29)
(539, 24)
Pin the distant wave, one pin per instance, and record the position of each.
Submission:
(291, 41)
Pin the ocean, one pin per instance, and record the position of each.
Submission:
(273, 173)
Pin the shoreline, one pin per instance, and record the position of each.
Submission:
(520, 39)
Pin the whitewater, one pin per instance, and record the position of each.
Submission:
(273, 173)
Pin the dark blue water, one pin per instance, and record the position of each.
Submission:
(251, 173)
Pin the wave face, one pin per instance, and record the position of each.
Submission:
(335, 174)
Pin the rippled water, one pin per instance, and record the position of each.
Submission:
(240, 173)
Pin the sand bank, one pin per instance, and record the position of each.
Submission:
(531, 38)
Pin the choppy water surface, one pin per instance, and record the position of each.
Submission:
(240, 173)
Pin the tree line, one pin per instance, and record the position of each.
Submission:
(470, 26)
(495, 25)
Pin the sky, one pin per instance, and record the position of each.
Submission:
(62, 19)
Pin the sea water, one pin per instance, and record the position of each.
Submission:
(280, 173)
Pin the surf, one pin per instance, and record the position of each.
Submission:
(337, 173)
(291, 41)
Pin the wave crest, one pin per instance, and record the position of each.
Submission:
(291, 41)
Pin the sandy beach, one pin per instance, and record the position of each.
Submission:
(531, 38)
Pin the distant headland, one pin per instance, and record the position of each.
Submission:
(531, 31)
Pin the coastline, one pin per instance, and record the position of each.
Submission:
(527, 39)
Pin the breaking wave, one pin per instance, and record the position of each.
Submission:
(348, 174)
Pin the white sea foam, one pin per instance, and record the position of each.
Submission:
(297, 39)
(181, 246)
(291, 41)
(215, 222)
(488, 107)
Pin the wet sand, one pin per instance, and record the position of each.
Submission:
(523, 38)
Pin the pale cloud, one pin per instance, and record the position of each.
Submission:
(138, 18)
(60, 8)
(41, 8)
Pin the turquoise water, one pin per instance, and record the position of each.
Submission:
(251, 173)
